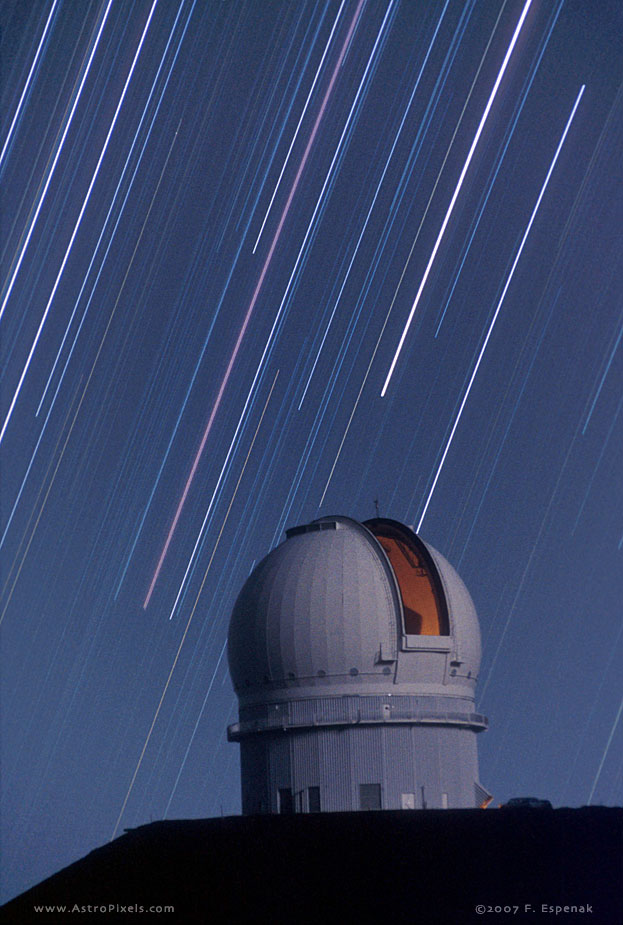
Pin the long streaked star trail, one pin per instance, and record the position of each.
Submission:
(456, 192)
(18, 109)
(298, 125)
(254, 297)
(76, 229)
(227, 229)
(192, 614)
(17, 261)
(497, 312)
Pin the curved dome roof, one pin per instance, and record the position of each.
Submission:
(341, 602)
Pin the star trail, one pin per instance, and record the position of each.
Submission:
(263, 262)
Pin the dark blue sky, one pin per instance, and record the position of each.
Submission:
(217, 217)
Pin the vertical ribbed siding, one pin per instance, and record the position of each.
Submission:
(468, 751)
(451, 769)
(336, 783)
(367, 760)
(428, 745)
(399, 764)
(402, 759)
(305, 767)
(279, 767)
(459, 766)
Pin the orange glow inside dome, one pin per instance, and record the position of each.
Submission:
(424, 608)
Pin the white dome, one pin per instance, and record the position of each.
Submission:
(327, 608)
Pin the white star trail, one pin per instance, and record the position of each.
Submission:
(455, 195)
(497, 311)
(229, 227)
(296, 130)
(27, 86)
(77, 225)
(50, 172)
(249, 312)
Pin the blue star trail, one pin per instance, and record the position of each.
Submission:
(263, 262)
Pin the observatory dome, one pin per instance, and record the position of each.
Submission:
(355, 608)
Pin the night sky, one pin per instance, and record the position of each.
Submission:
(219, 220)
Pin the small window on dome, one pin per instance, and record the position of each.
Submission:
(423, 601)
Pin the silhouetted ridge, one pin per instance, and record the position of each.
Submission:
(418, 867)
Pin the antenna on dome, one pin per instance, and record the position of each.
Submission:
(376, 506)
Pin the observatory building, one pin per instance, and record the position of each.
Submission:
(354, 650)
